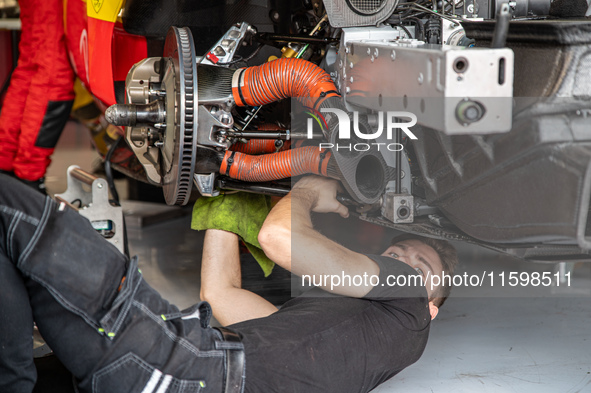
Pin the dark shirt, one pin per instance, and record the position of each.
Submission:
(327, 343)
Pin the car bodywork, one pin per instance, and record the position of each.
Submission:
(503, 134)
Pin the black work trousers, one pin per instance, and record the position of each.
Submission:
(90, 303)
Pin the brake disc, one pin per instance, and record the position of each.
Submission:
(179, 145)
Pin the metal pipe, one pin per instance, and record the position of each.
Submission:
(83, 176)
(257, 188)
(419, 7)
(398, 162)
(501, 27)
(268, 38)
(283, 135)
(259, 135)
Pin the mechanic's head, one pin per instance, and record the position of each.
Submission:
(426, 255)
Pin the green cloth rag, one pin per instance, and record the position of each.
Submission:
(241, 213)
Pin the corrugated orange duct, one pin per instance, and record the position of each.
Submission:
(270, 82)
(276, 165)
(282, 78)
(256, 146)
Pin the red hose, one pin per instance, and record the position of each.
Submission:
(255, 146)
(275, 166)
(282, 78)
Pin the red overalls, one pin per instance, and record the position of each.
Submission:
(38, 102)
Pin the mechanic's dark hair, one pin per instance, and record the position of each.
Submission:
(449, 261)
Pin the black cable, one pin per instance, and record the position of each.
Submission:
(239, 59)
(109, 171)
(395, 22)
(420, 27)
(406, 31)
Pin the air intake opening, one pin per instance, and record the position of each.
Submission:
(369, 176)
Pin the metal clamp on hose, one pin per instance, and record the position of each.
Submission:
(232, 345)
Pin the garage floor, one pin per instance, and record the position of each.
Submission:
(485, 339)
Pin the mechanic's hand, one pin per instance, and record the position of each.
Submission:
(321, 193)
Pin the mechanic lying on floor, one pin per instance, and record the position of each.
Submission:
(116, 334)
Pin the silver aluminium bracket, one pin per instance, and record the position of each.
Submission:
(398, 208)
(206, 184)
(456, 90)
(224, 50)
(93, 196)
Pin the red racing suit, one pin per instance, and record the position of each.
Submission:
(38, 102)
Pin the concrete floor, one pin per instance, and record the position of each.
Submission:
(485, 339)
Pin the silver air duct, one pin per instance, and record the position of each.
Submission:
(349, 13)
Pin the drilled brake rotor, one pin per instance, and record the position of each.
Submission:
(179, 148)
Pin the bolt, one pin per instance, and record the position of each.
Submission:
(368, 51)
(351, 65)
(351, 79)
(421, 78)
(99, 185)
(403, 201)
(348, 89)
(376, 52)
(158, 144)
(470, 8)
(158, 93)
(393, 55)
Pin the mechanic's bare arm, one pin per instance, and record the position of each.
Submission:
(221, 281)
(289, 239)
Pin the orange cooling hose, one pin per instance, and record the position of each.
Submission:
(275, 166)
(282, 78)
(259, 146)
